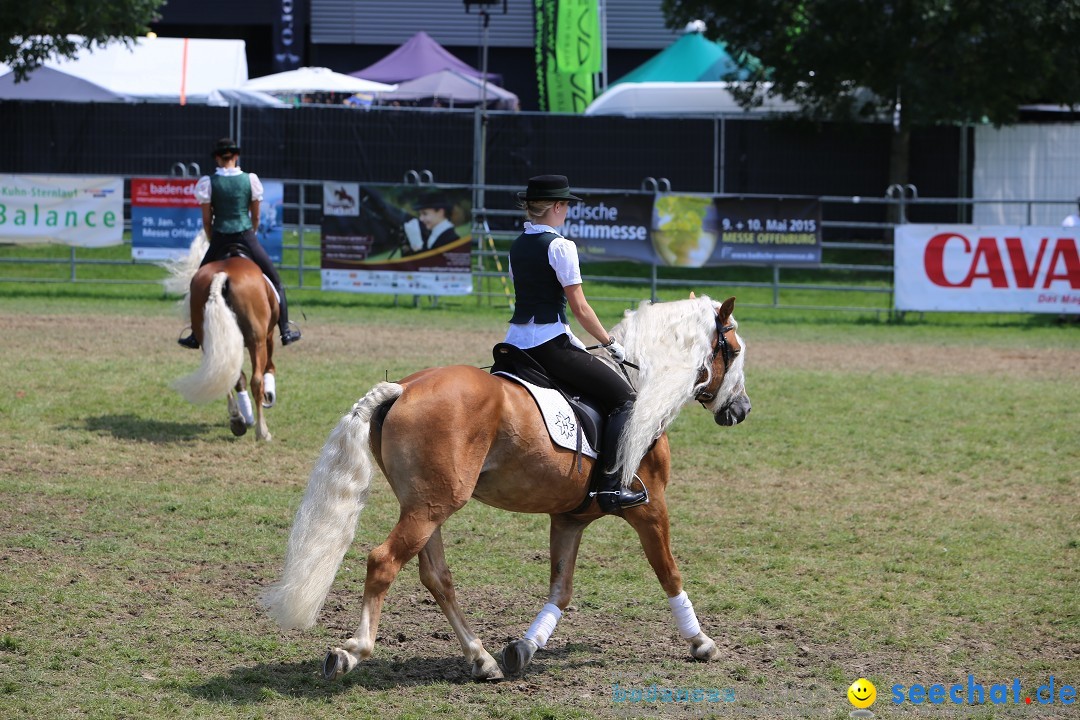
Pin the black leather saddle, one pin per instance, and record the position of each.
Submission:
(237, 250)
(511, 359)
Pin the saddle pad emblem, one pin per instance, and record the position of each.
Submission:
(559, 417)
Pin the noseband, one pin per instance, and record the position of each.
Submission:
(722, 347)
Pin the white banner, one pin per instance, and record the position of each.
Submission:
(987, 268)
(393, 282)
(68, 209)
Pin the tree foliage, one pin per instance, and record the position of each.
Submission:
(947, 60)
(35, 30)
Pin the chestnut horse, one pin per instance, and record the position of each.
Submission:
(445, 435)
(232, 306)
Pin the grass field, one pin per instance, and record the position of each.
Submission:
(901, 505)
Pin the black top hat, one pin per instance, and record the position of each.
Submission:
(226, 146)
(433, 199)
(548, 187)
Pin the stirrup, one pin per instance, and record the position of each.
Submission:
(291, 333)
(624, 497)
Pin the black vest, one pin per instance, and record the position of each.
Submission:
(539, 296)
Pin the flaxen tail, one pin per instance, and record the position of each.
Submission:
(326, 522)
(223, 350)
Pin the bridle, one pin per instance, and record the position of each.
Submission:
(723, 347)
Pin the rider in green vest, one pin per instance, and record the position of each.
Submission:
(230, 210)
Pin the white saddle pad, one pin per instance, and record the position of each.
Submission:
(562, 423)
(272, 288)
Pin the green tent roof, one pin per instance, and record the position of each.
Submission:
(691, 58)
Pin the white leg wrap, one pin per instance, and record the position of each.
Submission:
(244, 401)
(544, 625)
(269, 390)
(685, 617)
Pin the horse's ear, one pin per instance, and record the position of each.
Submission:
(692, 295)
(726, 309)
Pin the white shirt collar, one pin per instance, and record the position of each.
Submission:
(228, 171)
(531, 229)
(441, 228)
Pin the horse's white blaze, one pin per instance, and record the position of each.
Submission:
(326, 520)
(223, 351)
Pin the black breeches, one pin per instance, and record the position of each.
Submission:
(591, 377)
(588, 375)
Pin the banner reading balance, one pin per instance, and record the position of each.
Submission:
(68, 209)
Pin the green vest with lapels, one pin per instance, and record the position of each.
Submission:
(230, 199)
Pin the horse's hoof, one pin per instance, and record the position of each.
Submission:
(238, 427)
(517, 655)
(485, 669)
(705, 651)
(337, 663)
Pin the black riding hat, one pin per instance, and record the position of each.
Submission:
(226, 146)
(548, 187)
(435, 200)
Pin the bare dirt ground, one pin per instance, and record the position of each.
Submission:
(589, 653)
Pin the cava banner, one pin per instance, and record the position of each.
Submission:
(987, 268)
(66, 209)
(396, 239)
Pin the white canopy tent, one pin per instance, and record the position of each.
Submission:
(162, 69)
(677, 98)
(313, 80)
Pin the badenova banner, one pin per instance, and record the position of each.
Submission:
(166, 217)
(987, 268)
(68, 209)
(396, 239)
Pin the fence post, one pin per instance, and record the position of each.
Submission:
(301, 234)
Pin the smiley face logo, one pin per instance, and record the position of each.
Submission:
(862, 693)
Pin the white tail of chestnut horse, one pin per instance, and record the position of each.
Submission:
(326, 521)
(223, 351)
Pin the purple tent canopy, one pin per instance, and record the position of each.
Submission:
(451, 89)
(418, 57)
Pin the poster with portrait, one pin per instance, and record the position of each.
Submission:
(393, 239)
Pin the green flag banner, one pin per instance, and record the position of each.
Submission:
(559, 90)
(577, 37)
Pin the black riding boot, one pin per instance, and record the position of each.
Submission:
(190, 342)
(288, 334)
(611, 495)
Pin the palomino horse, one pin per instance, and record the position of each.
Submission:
(445, 435)
(232, 307)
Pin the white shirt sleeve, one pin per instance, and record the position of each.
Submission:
(562, 256)
(202, 190)
(256, 187)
